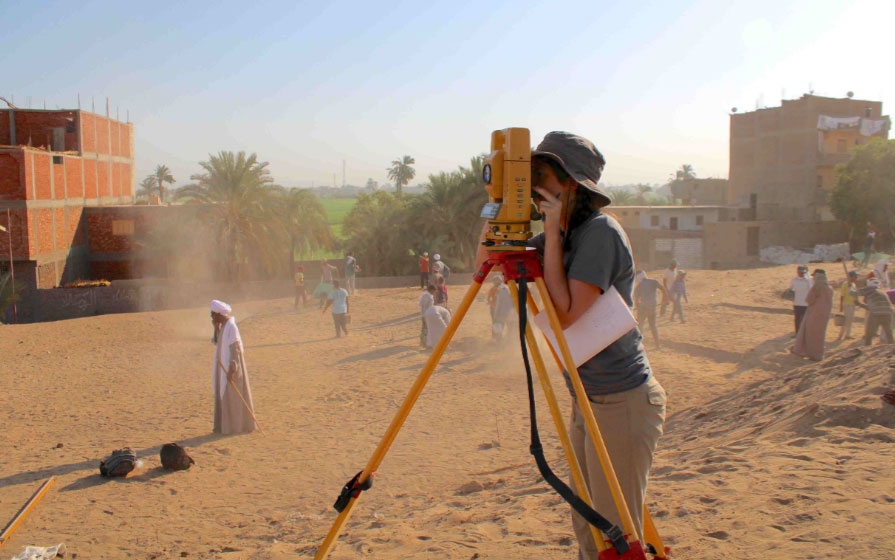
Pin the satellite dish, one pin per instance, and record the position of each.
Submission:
(733, 110)
(850, 94)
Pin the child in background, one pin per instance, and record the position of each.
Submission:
(678, 293)
(338, 297)
(300, 292)
(441, 295)
(427, 300)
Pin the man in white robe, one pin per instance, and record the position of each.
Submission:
(437, 318)
(233, 407)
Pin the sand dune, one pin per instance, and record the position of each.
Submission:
(765, 455)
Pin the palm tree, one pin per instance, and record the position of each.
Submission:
(147, 186)
(642, 189)
(401, 172)
(306, 222)
(242, 204)
(447, 213)
(161, 176)
(377, 227)
(621, 197)
(685, 172)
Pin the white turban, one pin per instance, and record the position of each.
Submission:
(437, 257)
(218, 306)
(873, 283)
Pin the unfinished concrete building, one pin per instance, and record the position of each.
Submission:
(53, 165)
(782, 158)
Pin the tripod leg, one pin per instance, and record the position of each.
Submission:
(584, 404)
(650, 533)
(549, 395)
(402, 414)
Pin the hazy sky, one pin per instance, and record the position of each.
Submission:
(308, 84)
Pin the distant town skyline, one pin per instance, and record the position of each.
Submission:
(306, 86)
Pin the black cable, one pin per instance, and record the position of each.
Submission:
(613, 532)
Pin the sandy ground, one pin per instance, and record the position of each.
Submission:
(765, 455)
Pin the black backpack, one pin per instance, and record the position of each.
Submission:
(119, 463)
(174, 457)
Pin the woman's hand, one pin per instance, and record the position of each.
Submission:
(550, 206)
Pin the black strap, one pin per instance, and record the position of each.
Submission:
(614, 533)
(352, 489)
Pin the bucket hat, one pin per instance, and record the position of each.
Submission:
(577, 156)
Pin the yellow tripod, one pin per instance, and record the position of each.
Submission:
(516, 265)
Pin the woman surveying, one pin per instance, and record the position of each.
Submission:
(586, 252)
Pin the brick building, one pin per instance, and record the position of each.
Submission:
(53, 165)
(782, 158)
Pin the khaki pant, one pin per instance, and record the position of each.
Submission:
(848, 320)
(630, 423)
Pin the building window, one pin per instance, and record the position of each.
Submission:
(637, 213)
(624, 212)
(654, 220)
(820, 181)
(122, 227)
(57, 160)
(672, 224)
(699, 220)
(841, 146)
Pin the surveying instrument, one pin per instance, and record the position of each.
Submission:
(507, 178)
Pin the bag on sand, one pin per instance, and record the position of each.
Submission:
(119, 463)
(174, 458)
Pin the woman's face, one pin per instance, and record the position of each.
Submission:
(544, 179)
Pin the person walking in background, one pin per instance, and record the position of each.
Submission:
(438, 267)
(868, 245)
(501, 303)
(879, 312)
(338, 297)
(325, 286)
(424, 270)
(427, 300)
(847, 298)
(678, 293)
(441, 295)
(300, 292)
(646, 298)
(351, 270)
(668, 278)
(812, 336)
(800, 286)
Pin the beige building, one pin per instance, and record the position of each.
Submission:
(701, 192)
(782, 158)
(668, 218)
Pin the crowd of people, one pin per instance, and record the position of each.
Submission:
(812, 304)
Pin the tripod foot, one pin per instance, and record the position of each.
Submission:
(634, 553)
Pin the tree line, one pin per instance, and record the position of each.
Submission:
(248, 227)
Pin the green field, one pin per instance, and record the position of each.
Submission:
(336, 210)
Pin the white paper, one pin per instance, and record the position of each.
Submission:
(605, 322)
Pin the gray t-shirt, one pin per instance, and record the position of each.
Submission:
(647, 291)
(598, 252)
